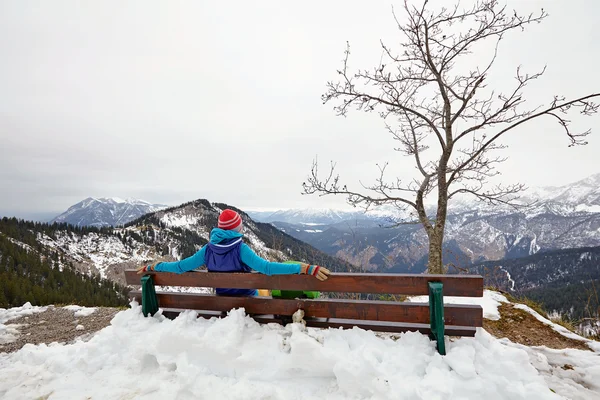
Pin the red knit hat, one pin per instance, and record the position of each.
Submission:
(229, 220)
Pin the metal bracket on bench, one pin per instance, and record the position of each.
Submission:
(149, 299)
(436, 315)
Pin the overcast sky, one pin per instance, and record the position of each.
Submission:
(179, 100)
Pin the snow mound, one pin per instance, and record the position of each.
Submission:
(9, 333)
(489, 302)
(236, 358)
(79, 311)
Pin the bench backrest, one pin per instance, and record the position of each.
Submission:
(392, 316)
(406, 284)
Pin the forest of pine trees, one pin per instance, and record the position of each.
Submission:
(563, 280)
(33, 275)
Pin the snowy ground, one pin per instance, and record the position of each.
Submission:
(7, 332)
(236, 358)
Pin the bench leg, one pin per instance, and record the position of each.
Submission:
(436, 315)
(149, 299)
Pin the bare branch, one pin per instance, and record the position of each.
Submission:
(499, 195)
(583, 103)
(332, 186)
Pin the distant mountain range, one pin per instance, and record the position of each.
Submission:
(557, 218)
(111, 211)
(305, 216)
(531, 249)
(324, 216)
(168, 234)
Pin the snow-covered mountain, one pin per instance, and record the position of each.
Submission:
(102, 211)
(555, 218)
(580, 196)
(305, 216)
(169, 234)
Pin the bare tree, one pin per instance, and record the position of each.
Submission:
(438, 106)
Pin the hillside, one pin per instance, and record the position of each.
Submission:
(33, 273)
(169, 234)
(565, 281)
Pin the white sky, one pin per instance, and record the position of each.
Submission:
(180, 100)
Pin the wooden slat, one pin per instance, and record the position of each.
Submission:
(407, 284)
(377, 326)
(454, 314)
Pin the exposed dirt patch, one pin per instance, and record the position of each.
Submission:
(57, 325)
(521, 327)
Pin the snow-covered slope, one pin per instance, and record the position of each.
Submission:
(96, 252)
(165, 235)
(236, 358)
(111, 211)
(580, 196)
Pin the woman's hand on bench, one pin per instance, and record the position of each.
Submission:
(321, 273)
(146, 268)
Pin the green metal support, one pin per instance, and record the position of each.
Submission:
(436, 315)
(149, 299)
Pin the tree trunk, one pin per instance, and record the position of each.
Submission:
(434, 264)
(436, 235)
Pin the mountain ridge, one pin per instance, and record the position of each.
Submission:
(561, 217)
(165, 235)
(106, 211)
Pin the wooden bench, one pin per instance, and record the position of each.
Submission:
(432, 318)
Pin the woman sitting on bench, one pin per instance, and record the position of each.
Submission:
(226, 252)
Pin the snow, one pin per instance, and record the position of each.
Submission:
(571, 373)
(101, 251)
(512, 282)
(79, 311)
(106, 211)
(489, 302)
(8, 332)
(313, 230)
(533, 246)
(25, 246)
(236, 358)
(179, 220)
(595, 208)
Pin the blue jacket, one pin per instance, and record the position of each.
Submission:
(227, 253)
